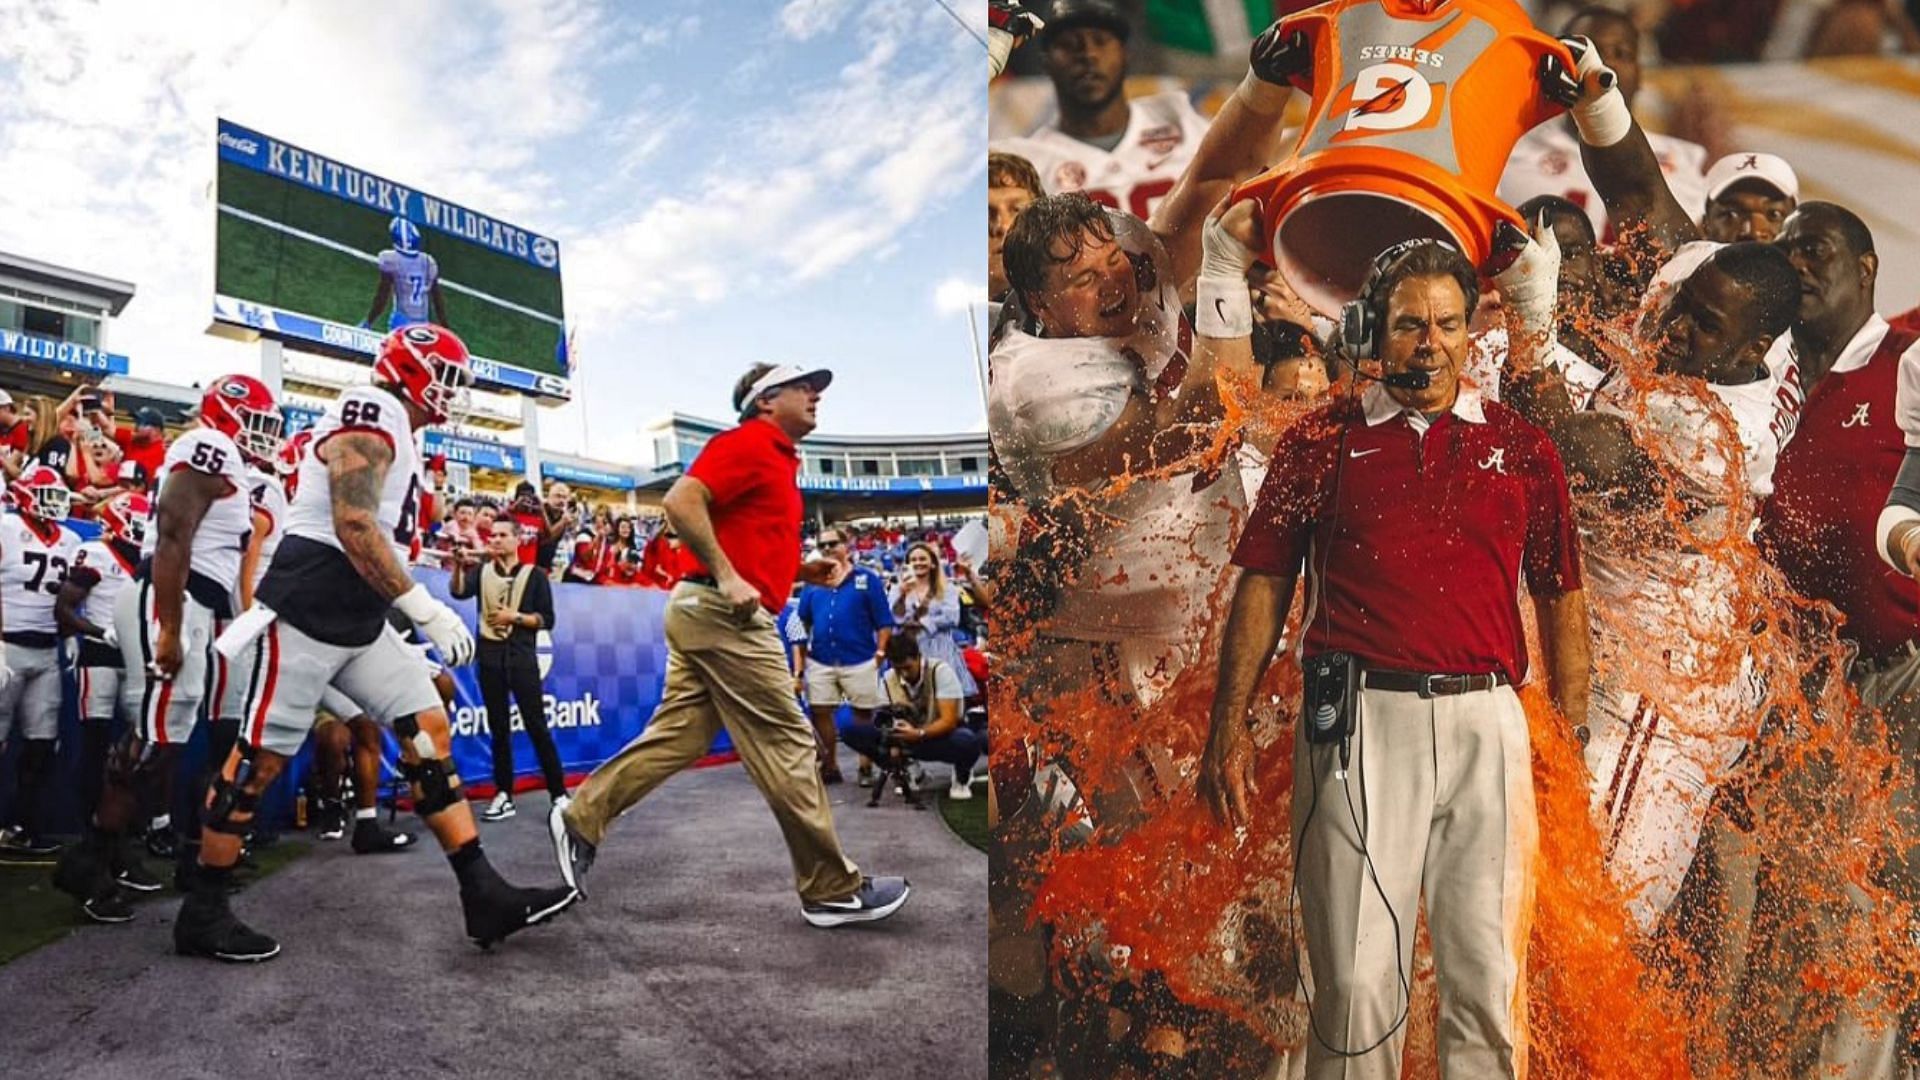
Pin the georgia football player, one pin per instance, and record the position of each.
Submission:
(322, 608)
(344, 732)
(409, 280)
(1123, 154)
(187, 583)
(103, 864)
(36, 550)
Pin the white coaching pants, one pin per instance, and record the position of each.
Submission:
(1442, 791)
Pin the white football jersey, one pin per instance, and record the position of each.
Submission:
(115, 576)
(1163, 131)
(1165, 539)
(221, 540)
(31, 570)
(269, 500)
(1546, 161)
(361, 408)
(413, 278)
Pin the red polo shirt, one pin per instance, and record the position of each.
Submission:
(1422, 556)
(1830, 485)
(756, 506)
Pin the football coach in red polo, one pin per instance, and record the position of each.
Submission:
(738, 510)
(1414, 507)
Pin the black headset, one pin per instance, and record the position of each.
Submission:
(1361, 318)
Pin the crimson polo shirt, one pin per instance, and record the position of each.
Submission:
(1830, 485)
(1422, 556)
(756, 508)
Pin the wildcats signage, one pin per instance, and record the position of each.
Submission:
(62, 354)
(262, 153)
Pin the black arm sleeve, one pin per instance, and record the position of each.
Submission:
(539, 600)
(1906, 484)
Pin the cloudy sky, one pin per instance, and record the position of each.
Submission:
(729, 180)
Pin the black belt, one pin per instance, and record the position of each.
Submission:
(702, 579)
(1431, 686)
(32, 639)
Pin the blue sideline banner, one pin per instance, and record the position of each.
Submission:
(603, 667)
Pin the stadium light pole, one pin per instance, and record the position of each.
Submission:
(979, 361)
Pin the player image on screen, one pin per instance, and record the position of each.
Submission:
(409, 279)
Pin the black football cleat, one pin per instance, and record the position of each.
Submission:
(112, 906)
(207, 927)
(496, 910)
(372, 838)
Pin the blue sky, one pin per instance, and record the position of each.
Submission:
(729, 181)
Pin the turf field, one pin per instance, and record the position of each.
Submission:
(37, 913)
(269, 266)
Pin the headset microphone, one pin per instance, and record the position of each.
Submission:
(1408, 380)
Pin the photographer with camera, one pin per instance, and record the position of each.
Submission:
(1414, 506)
(922, 716)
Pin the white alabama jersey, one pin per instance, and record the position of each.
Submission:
(1783, 394)
(1165, 539)
(269, 499)
(413, 277)
(1546, 161)
(221, 540)
(31, 570)
(360, 408)
(1163, 131)
(115, 576)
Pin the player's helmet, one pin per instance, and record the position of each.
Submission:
(39, 493)
(428, 364)
(125, 517)
(244, 409)
(405, 234)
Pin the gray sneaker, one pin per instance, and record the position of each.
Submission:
(876, 899)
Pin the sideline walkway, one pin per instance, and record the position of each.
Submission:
(690, 959)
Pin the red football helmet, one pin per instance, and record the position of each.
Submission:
(428, 364)
(244, 409)
(125, 517)
(39, 493)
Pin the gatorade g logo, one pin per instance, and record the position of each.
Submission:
(1388, 97)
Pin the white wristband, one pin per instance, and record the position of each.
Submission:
(417, 603)
(1223, 308)
(1605, 120)
(1894, 515)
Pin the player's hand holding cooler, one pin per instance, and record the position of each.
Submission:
(439, 623)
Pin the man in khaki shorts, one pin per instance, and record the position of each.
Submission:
(848, 623)
(738, 510)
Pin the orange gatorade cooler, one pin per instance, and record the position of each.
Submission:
(1416, 105)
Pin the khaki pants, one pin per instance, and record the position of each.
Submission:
(723, 668)
(1442, 790)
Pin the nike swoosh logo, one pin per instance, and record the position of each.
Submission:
(848, 904)
(1152, 165)
(1220, 307)
(1363, 453)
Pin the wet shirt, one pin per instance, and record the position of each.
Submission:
(1415, 532)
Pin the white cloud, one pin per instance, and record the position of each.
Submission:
(804, 19)
(952, 296)
(833, 173)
